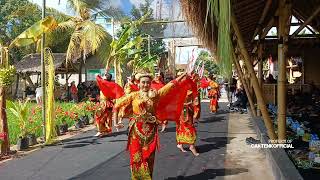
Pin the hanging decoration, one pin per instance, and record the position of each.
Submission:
(50, 74)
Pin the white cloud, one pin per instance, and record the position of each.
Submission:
(55, 4)
(136, 2)
(116, 4)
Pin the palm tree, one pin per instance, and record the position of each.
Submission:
(87, 36)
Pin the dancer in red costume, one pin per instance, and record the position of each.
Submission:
(157, 84)
(108, 92)
(150, 108)
(130, 87)
(214, 93)
(185, 130)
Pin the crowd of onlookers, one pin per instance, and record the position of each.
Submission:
(82, 92)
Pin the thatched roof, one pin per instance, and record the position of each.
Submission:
(247, 13)
(32, 64)
(195, 13)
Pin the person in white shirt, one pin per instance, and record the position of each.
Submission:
(39, 93)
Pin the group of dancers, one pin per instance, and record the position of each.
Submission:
(148, 103)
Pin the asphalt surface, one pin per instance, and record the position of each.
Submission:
(89, 158)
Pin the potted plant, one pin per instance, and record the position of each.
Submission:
(32, 127)
(61, 117)
(82, 113)
(63, 127)
(74, 114)
(20, 111)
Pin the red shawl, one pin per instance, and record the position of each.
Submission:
(204, 83)
(156, 85)
(110, 89)
(170, 106)
(134, 87)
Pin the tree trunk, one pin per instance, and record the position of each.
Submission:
(80, 71)
(261, 102)
(17, 86)
(5, 145)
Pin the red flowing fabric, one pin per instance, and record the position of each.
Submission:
(170, 106)
(156, 85)
(204, 83)
(134, 87)
(110, 89)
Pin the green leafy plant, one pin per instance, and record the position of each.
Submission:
(20, 111)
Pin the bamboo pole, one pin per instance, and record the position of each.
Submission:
(260, 73)
(284, 26)
(245, 85)
(257, 89)
(263, 16)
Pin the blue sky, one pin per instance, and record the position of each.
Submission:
(125, 5)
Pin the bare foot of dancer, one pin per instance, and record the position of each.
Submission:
(163, 128)
(119, 126)
(98, 134)
(179, 146)
(193, 150)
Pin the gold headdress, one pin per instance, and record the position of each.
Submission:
(143, 73)
(180, 73)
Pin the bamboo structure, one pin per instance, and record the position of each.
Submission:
(245, 85)
(260, 73)
(284, 27)
(314, 14)
(256, 87)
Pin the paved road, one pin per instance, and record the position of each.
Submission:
(86, 157)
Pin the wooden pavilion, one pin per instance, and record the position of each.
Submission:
(251, 20)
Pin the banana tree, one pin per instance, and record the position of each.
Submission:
(120, 47)
(7, 72)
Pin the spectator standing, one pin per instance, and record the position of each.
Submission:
(74, 92)
(39, 94)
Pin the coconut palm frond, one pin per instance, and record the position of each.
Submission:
(93, 35)
(59, 16)
(73, 47)
(104, 49)
(66, 25)
(77, 5)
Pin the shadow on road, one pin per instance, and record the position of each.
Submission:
(210, 174)
(212, 119)
(81, 143)
(220, 140)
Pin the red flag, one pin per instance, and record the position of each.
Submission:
(110, 89)
(170, 106)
